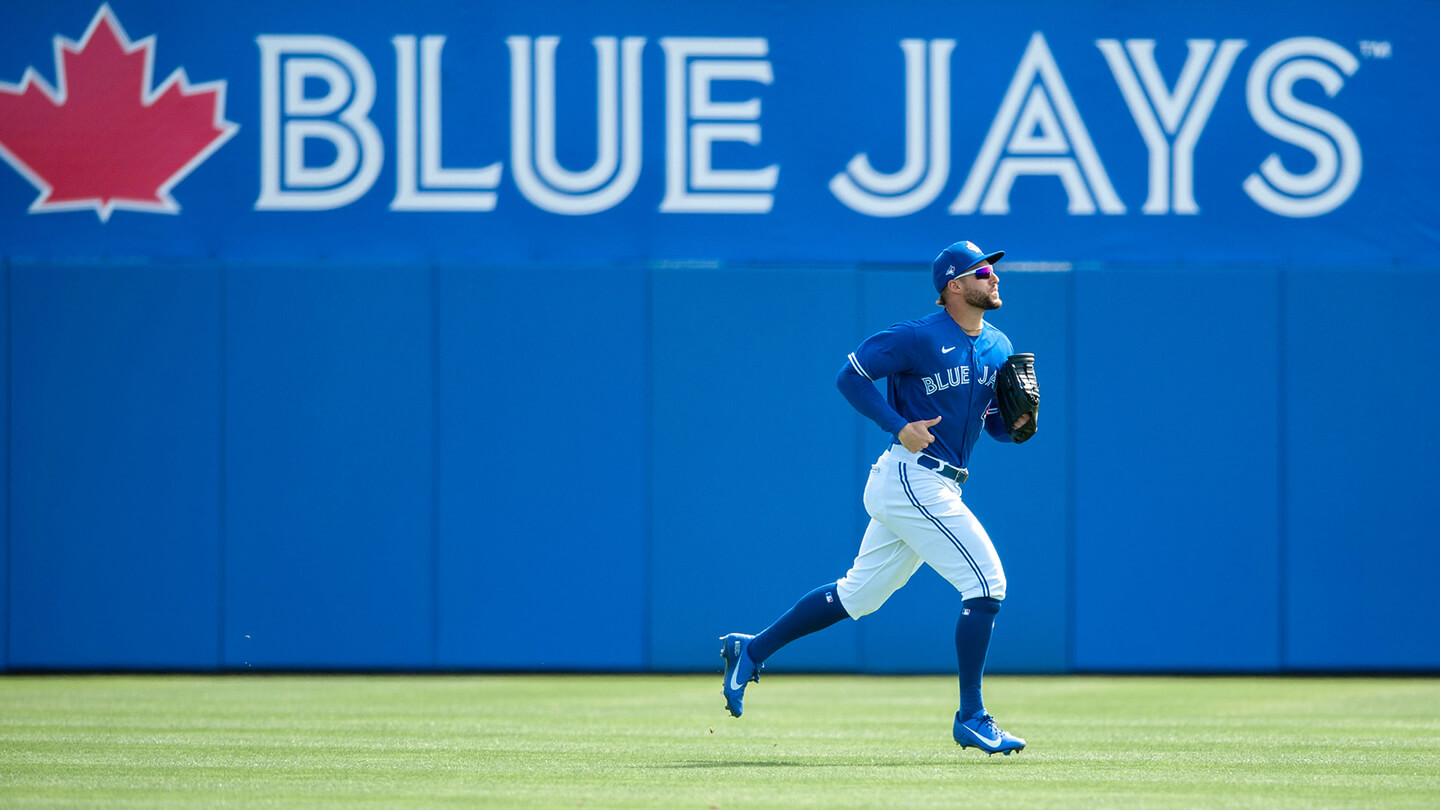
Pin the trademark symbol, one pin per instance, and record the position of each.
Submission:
(1374, 49)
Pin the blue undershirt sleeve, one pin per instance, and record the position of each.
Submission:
(865, 398)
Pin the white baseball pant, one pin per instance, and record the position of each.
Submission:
(917, 517)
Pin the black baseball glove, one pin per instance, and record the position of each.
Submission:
(1017, 392)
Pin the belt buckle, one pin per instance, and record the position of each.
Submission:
(956, 474)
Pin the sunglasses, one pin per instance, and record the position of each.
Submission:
(978, 272)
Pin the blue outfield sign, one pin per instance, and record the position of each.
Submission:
(581, 133)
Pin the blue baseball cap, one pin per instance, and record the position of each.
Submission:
(953, 261)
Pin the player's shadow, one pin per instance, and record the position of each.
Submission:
(782, 763)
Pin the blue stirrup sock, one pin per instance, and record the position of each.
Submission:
(972, 642)
(815, 611)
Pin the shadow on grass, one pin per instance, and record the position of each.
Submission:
(767, 763)
(784, 763)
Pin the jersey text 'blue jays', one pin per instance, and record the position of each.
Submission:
(933, 368)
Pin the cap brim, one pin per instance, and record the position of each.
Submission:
(992, 258)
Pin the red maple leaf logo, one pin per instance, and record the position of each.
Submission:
(101, 138)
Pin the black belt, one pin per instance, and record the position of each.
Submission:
(956, 474)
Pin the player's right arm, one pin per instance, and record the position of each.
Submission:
(881, 355)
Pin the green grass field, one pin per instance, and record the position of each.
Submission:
(666, 742)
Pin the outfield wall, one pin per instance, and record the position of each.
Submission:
(466, 336)
(392, 468)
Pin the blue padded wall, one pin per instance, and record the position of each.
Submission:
(328, 468)
(755, 484)
(5, 467)
(1360, 541)
(543, 454)
(386, 468)
(115, 439)
(1176, 470)
(288, 403)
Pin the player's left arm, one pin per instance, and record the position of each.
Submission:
(995, 426)
(994, 421)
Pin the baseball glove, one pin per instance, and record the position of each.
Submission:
(1018, 392)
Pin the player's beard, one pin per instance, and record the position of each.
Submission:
(982, 298)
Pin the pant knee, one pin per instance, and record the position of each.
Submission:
(996, 587)
(859, 600)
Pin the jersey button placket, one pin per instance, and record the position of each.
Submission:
(970, 403)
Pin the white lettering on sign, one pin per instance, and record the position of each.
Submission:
(694, 122)
(321, 150)
(1038, 131)
(1270, 93)
(864, 189)
(1173, 126)
(288, 118)
(612, 177)
(1371, 49)
(432, 187)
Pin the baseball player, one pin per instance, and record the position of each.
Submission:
(951, 375)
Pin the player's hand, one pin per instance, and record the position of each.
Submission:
(1024, 417)
(916, 436)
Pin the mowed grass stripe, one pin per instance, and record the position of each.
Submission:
(665, 742)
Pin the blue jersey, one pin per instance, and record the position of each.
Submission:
(933, 369)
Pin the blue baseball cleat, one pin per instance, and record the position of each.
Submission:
(739, 670)
(981, 732)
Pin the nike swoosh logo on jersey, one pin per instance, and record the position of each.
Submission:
(947, 351)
